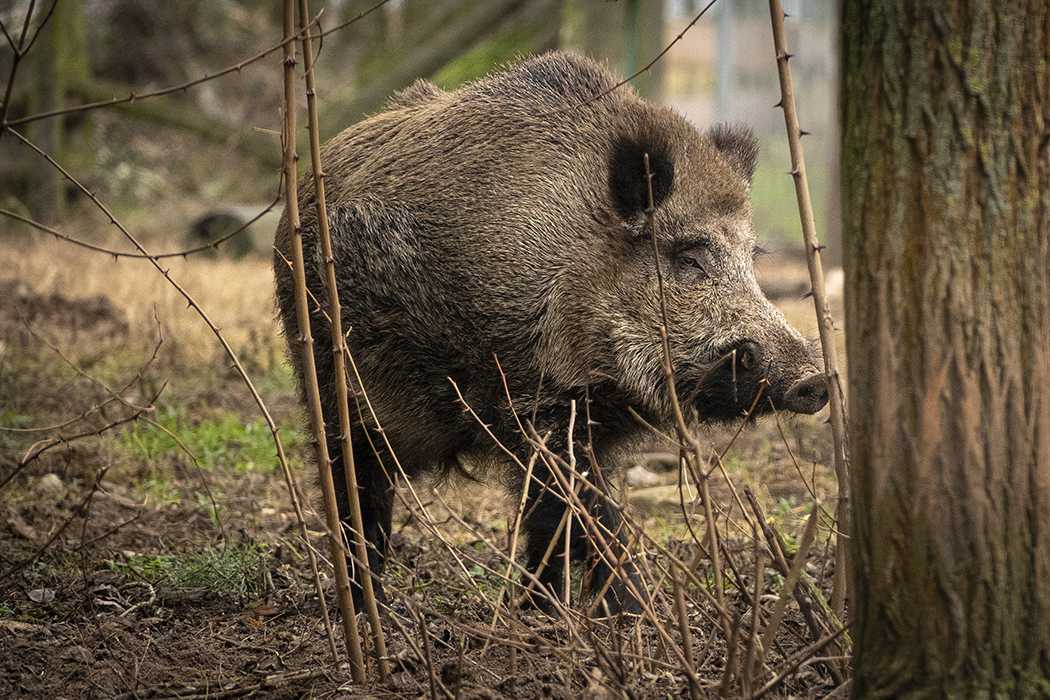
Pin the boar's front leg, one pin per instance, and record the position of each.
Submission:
(544, 513)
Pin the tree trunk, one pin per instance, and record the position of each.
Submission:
(61, 62)
(946, 201)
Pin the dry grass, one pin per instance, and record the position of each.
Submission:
(236, 295)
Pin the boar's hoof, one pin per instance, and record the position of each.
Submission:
(807, 395)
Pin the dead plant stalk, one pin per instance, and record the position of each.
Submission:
(339, 351)
(825, 323)
(689, 447)
(346, 605)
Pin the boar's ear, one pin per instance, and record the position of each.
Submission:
(739, 146)
(627, 181)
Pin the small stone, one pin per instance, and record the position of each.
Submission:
(51, 485)
(640, 476)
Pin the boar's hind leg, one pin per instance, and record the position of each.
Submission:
(377, 499)
(542, 525)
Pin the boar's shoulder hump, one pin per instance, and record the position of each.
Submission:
(418, 93)
(552, 79)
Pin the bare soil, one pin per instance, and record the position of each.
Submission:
(81, 616)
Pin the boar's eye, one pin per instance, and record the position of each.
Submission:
(687, 260)
(692, 265)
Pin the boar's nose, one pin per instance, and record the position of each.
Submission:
(807, 395)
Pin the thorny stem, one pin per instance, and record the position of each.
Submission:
(346, 605)
(340, 352)
(840, 586)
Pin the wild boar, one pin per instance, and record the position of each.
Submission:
(508, 222)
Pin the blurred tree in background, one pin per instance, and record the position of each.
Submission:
(99, 50)
(171, 159)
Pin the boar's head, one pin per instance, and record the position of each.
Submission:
(731, 348)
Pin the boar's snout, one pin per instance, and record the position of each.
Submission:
(807, 395)
(747, 371)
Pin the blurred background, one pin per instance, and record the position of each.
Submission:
(201, 161)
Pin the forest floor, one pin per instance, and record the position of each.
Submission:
(129, 569)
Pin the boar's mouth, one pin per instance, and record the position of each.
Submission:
(744, 380)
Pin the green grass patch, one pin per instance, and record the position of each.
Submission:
(225, 441)
(237, 571)
(149, 566)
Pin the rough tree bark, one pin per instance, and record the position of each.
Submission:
(946, 201)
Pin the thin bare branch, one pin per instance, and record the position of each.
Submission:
(343, 595)
(825, 322)
(212, 245)
(340, 352)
